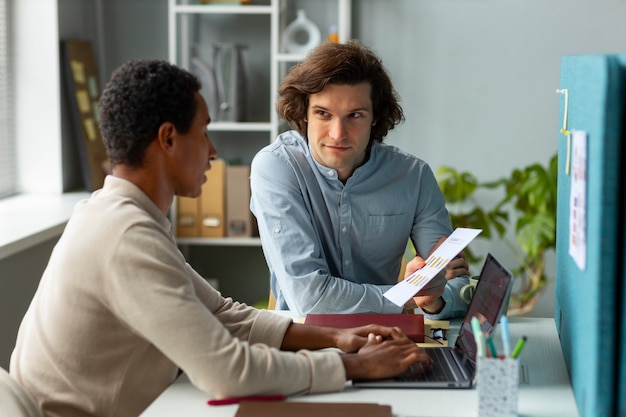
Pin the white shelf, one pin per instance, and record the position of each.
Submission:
(280, 13)
(221, 9)
(240, 127)
(289, 57)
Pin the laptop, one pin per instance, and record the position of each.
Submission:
(455, 367)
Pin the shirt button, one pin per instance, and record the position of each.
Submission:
(344, 229)
(276, 229)
(331, 173)
(346, 262)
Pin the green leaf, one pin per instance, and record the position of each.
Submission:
(456, 186)
(536, 233)
(526, 206)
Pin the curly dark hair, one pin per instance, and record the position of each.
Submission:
(139, 98)
(335, 63)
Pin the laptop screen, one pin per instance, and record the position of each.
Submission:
(492, 292)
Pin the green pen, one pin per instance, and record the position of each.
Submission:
(518, 347)
(492, 348)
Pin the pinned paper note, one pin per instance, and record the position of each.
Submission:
(578, 201)
(402, 292)
(78, 71)
(82, 99)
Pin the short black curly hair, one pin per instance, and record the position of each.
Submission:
(140, 96)
(339, 63)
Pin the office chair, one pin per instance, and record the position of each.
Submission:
(14, 400)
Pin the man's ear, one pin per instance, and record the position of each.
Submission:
(166, 136)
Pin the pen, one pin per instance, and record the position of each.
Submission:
(237, 400)
(492, 348)
(518, 347)
(506, 338)
(479, 337)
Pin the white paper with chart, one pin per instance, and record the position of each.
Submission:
(402, 292)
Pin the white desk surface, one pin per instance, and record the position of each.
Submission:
(545, 389)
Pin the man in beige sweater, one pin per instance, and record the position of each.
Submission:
(118, 310)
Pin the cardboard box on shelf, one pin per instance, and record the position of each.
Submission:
(223, 208)
(213, 201)
(187, 220)
(239, 219)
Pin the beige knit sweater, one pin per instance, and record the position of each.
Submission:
(118, 311)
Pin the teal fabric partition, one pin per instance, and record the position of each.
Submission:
(588, 303)
(621, 337)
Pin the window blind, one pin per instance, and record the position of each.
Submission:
(8, 157)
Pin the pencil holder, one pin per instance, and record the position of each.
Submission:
(497, 381)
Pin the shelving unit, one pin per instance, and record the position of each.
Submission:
(260, 25)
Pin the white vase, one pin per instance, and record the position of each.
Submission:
(301, 35)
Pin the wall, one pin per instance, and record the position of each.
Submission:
(478, 78)
(18, 281)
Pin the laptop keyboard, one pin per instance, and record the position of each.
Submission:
(438, 371)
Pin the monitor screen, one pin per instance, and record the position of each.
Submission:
(490, 298)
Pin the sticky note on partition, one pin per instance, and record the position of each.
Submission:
(402, 292)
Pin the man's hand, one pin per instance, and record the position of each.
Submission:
(429, 297)
(304, 336)
(351, 340)
(384, 357)
(457, 267)
(413, 265)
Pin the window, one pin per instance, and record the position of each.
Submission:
(8, 157)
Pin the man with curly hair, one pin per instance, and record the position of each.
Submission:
(118, 312)
(336, 206)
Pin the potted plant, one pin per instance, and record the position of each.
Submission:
(525, 207)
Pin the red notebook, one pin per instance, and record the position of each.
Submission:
(411, 324)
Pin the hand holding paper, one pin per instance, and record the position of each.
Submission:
(400, 293)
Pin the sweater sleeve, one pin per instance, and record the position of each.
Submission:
(226, 348)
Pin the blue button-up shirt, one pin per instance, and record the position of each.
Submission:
(334, 247)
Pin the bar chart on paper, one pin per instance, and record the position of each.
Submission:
(400, 293)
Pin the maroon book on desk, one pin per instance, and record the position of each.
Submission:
(411, 324)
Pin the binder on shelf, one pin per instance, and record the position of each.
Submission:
(213, 201)
(187, 219)
(239, 218)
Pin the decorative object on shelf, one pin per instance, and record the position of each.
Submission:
(527, 209)
(333, 34)
(301, 35)
(228, 66)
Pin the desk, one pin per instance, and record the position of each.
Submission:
(545, 389)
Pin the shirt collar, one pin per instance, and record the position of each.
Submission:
(331, 174)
